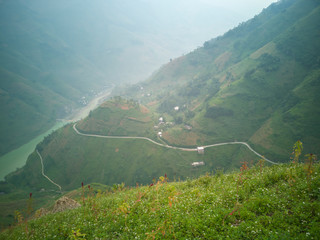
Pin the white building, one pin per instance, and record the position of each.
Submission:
(196, 164)
(200, 150)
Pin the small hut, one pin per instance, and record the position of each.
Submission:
(200, 150)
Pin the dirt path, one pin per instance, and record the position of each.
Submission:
(172, 147)
(44, 174)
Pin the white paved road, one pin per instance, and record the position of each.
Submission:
(172, 147)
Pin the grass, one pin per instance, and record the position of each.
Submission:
(278, 202)
(110, 161)
(119, 117)
(265, 95)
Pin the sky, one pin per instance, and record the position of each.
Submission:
(225, 15)
(244, 7)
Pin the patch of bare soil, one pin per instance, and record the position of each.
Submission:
(143, 109)
(124, 107)
(64, 204)
(152, 103)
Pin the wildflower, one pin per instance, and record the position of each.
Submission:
(232, 212)
(82, 184)
(30, 194)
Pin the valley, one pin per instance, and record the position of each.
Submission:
(18, 157)
(51, 56)
(247, 100)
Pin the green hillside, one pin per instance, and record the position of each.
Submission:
(279, 202)
(40, 76)
(70, 158)
(257, 83)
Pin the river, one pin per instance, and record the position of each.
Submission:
(18, 157)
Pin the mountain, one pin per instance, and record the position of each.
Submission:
(258, 84)
(244, 86)
(41, 78)
(53, 54)
(279, 202)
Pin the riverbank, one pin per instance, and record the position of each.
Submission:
(18, 157)
(93, 104)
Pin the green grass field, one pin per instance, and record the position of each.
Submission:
(279, 202)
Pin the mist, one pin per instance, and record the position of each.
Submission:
(125, 41)
(56, 56)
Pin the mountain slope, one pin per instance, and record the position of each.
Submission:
(252, 84)
(70, 158)
(280, 202)
(246, 85)
(256, 94)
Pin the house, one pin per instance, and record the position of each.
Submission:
(160, 134)
(187, 127)
(161, 119)
(176, 108)
(200, 150)
(196, 164)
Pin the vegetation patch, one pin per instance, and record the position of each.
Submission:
(257, 202)
(215, 112)
(181, 137)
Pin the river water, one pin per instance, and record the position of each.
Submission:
(18, 157)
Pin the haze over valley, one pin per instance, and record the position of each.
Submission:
(160, 102)
(56, 56)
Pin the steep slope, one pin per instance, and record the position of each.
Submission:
(256, 94)
(246, 85)
(70, 158)
(280, 202)
(42, 78)
(258, 82)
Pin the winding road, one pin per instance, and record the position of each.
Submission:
(46, 175)
(172, 147)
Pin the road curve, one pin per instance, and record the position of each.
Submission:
(168, 146)
(242, 143)
(124, 137)
(43, 171)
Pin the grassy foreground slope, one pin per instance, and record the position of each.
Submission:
(279, 202)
